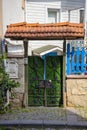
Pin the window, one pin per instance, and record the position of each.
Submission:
(81, 18)
(53, 15)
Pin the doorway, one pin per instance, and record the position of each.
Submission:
(48, 91)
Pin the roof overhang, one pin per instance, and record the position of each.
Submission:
(36, 31)
(72, 4)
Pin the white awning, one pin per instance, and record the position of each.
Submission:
(47, 49)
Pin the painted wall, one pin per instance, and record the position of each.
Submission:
(36, 12)
(12, 12)
(74, 16)
(1, 19)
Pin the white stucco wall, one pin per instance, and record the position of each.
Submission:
(36, 12)
(12, 12)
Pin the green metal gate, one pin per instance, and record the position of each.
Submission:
(46, 92)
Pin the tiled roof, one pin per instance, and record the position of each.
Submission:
(36, 31)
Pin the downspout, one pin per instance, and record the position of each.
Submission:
(4, 64)
(7, 95)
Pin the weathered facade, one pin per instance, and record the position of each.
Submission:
(16, 97)
(11, 12)
(43, 81)
(43, 12)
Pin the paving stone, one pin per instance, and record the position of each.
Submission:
(46, 116)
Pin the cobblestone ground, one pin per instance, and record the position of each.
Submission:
(45, 113)
(34, 113)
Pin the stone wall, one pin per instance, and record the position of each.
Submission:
(76, 90)
(16, 95)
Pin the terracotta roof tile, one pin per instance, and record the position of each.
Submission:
(35, 31)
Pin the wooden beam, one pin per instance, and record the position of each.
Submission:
(64, 73)
(25, 98)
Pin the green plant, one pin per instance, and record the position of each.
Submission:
(5, 84)
(5, 81)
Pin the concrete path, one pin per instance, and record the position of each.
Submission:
(46, 116)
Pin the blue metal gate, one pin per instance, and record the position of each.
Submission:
(76, 60)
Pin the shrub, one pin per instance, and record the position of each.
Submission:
(5, 84)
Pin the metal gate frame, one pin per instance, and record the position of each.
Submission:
(45, 82)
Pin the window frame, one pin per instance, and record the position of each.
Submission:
(79, 15)
(53, 10)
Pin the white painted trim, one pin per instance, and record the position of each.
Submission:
(46, 14)
(56, 48)
(29, 49)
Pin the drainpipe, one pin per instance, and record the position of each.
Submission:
(7, 95)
